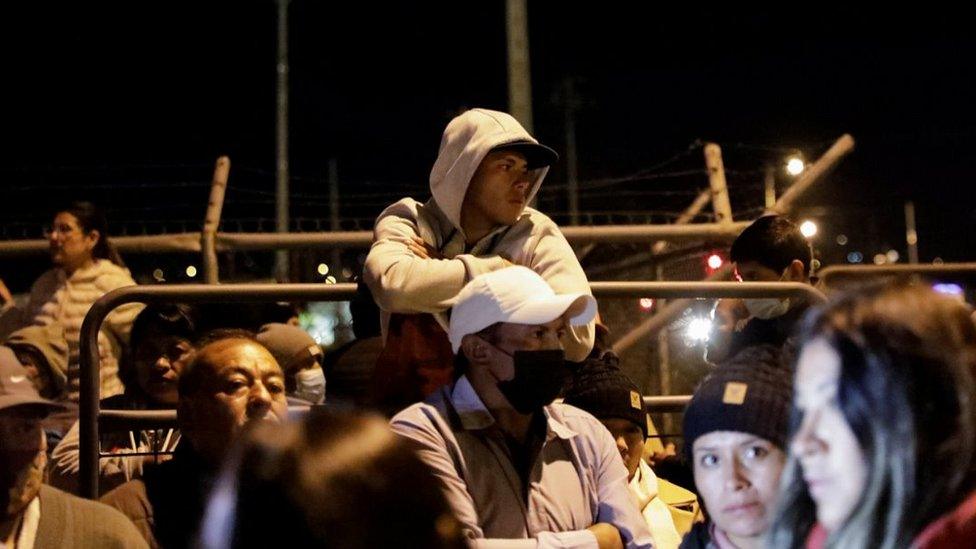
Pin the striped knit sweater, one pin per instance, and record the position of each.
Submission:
(57, 298)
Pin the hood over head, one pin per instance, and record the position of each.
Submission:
(467, 139)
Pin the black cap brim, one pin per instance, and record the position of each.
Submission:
(536, 154)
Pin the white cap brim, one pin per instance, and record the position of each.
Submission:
(581, 308)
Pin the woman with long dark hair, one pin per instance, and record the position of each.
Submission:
(883, 447)
(86, 266)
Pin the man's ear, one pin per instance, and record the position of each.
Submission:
(475, 349)
(795, 272)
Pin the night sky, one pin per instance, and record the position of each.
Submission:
(131, 104)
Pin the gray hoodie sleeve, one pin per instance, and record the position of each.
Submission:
(549, 254)
(402, 282)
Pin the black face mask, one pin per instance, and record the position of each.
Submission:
(539, 377)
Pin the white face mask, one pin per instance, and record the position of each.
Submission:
(767, 307)
(311, 385)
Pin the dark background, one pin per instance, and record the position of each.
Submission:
(130, 104)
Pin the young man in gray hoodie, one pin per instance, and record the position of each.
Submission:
(487, 171)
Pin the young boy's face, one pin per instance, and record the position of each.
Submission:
(159, 361)
(499, 189)
(630, 442)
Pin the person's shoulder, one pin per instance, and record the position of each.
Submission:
(101, 512)
(48, 280)
(428, 420)
(407, 208)
(956, 529)
(109, 276)
(575, 418)
(48, 275)
(696, 538)
(417, 413)
(531, 230)
(102, 520)
(131, 499)
(538, 221)
(568, 411)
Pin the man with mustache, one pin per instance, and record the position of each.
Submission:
(33, 514)
(232, 382)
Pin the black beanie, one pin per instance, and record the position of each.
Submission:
(750, 393)
(602, 389)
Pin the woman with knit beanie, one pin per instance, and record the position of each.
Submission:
(735, 430)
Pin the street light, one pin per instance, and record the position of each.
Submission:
(808, 228)
(795, 166)
(714, 262)
(698, 330)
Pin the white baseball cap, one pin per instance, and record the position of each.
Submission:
(516, 295)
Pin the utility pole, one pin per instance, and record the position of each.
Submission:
(334, 225)
(570, 106)
(770, 186)
(716, 180)
(519, 74)
(281, 142)
(911, 235)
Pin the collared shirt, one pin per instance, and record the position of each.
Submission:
(25, 530)
(576, 481)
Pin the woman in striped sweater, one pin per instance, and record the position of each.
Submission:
(86, 266)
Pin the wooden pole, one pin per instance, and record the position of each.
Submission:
(716, 180)
(211, 222)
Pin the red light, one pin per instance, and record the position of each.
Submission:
(646, 303)
(715, 261)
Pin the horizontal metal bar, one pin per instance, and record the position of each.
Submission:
(706, 290)
(107, 455)
(293, 241)
(190, 242)
(666, 404)
(222, 293)
(139, 244)
(866, 271)
(145, 420)
(718, 232)
(138, 420)
(574, 234)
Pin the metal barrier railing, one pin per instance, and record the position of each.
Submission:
(89, 409)
(838, 272)
(191, 241)
(91, 417)
(666, 404)
(707, 290)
